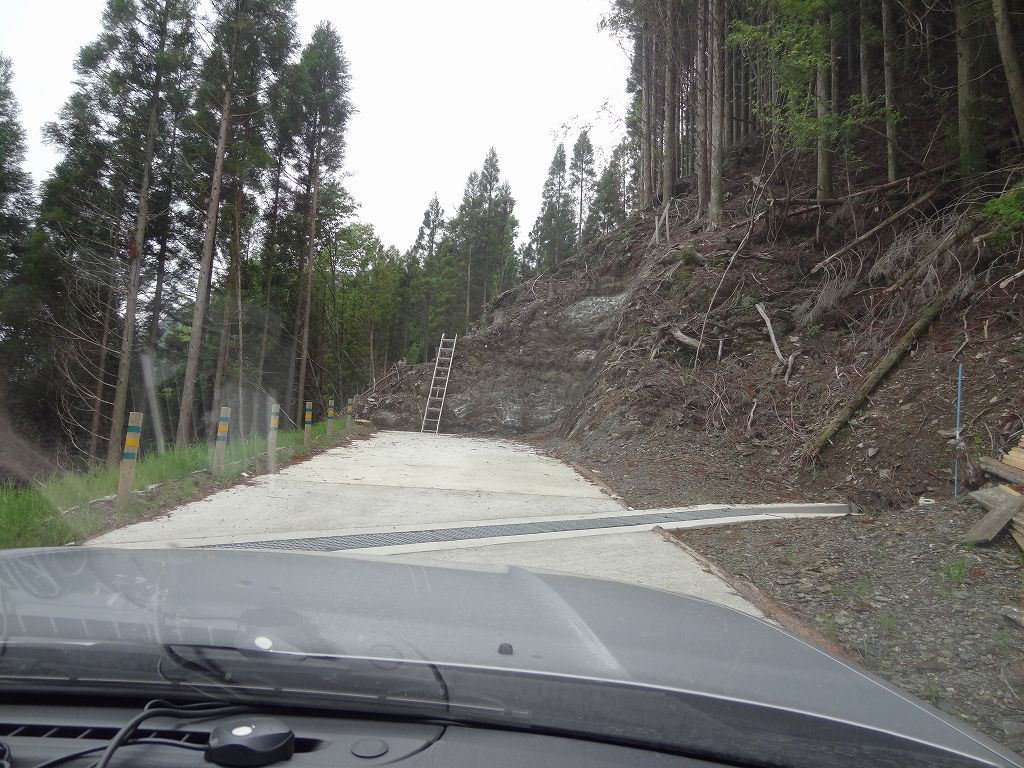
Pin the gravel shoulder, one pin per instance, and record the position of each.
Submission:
(900, 592)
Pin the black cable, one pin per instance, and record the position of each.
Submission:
(184, 713)
(135, 742)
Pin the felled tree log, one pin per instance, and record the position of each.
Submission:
(868, 386)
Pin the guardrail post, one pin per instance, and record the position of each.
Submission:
(223, 423)
(330, 417)
(275, 417)
(308, 425)
(349, 414)
(126, 481)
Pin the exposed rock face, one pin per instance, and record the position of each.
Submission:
(510, 380)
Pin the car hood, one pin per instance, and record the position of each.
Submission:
(504, 619)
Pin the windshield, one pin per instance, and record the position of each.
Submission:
(521, 361)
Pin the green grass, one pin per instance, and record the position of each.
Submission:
(40, 517)
(887, 622)
(955, 570)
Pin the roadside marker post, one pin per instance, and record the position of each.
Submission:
(330, 417)
(275, 417)
(126, 481)
(308, 425)
(349, 414)
(223, 423)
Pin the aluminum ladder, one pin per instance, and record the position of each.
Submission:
(439, 385)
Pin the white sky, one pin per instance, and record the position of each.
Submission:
(435, 85)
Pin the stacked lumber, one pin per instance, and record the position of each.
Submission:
(1010, 467)
(1015, 456)
(1004, 505)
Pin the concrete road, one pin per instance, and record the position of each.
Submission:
(430, 490)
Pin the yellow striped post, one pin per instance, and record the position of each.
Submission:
(275, 418)
(349, 414)
(307, 422)
(223, 424)
(126, 481)
(330, 417)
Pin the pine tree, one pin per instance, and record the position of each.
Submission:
(251, 41)
(143, 52)
(554, 233)
(15, 183)
(324, 107)
(581, 178)
(608, 209)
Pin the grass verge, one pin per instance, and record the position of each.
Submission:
(73, 506)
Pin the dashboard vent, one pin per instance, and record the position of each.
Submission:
(106, 733)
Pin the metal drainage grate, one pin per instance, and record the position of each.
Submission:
(393, 538)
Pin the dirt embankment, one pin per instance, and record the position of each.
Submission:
(596, 359)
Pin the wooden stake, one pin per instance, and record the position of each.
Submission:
(307, 421)
(330, 417)
(223, 423)
(350, 412)
(275, 417)
(130, 454)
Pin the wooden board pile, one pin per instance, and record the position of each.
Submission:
(1010, 467)
(1005, 505)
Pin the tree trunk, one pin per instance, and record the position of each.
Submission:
(132, 294)
(645, 125)
(469, 275)
(1010, 55)
(268, 268)
(222, 361)
(889, 64)
(239, 420)
(101, 372)
(310, 261)
(205, 269)
(668, 156)
(824, 109)
(966, 88)
(161, 257)
(701, 101)
(715, 56)
(865, 53)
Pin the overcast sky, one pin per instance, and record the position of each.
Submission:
(434, 85)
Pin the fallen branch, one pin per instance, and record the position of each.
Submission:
(771, 331)
(1010, 279)
(876, 375)
(682, 338)
(916, 203)
(789, 367)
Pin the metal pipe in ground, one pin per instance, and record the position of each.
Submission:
(349, 414)
(307, 421)
(130, 454)
(275, 417)
(330, 417)
(223, 424)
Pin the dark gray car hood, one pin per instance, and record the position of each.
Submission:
(509, 618)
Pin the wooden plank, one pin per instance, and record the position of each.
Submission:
(991, 524)
(993, 497)
(1018, 536)
(1000, 470)
(1015, 458)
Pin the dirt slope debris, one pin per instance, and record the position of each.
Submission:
(598, 358)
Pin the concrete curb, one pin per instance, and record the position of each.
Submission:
(763, 512)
